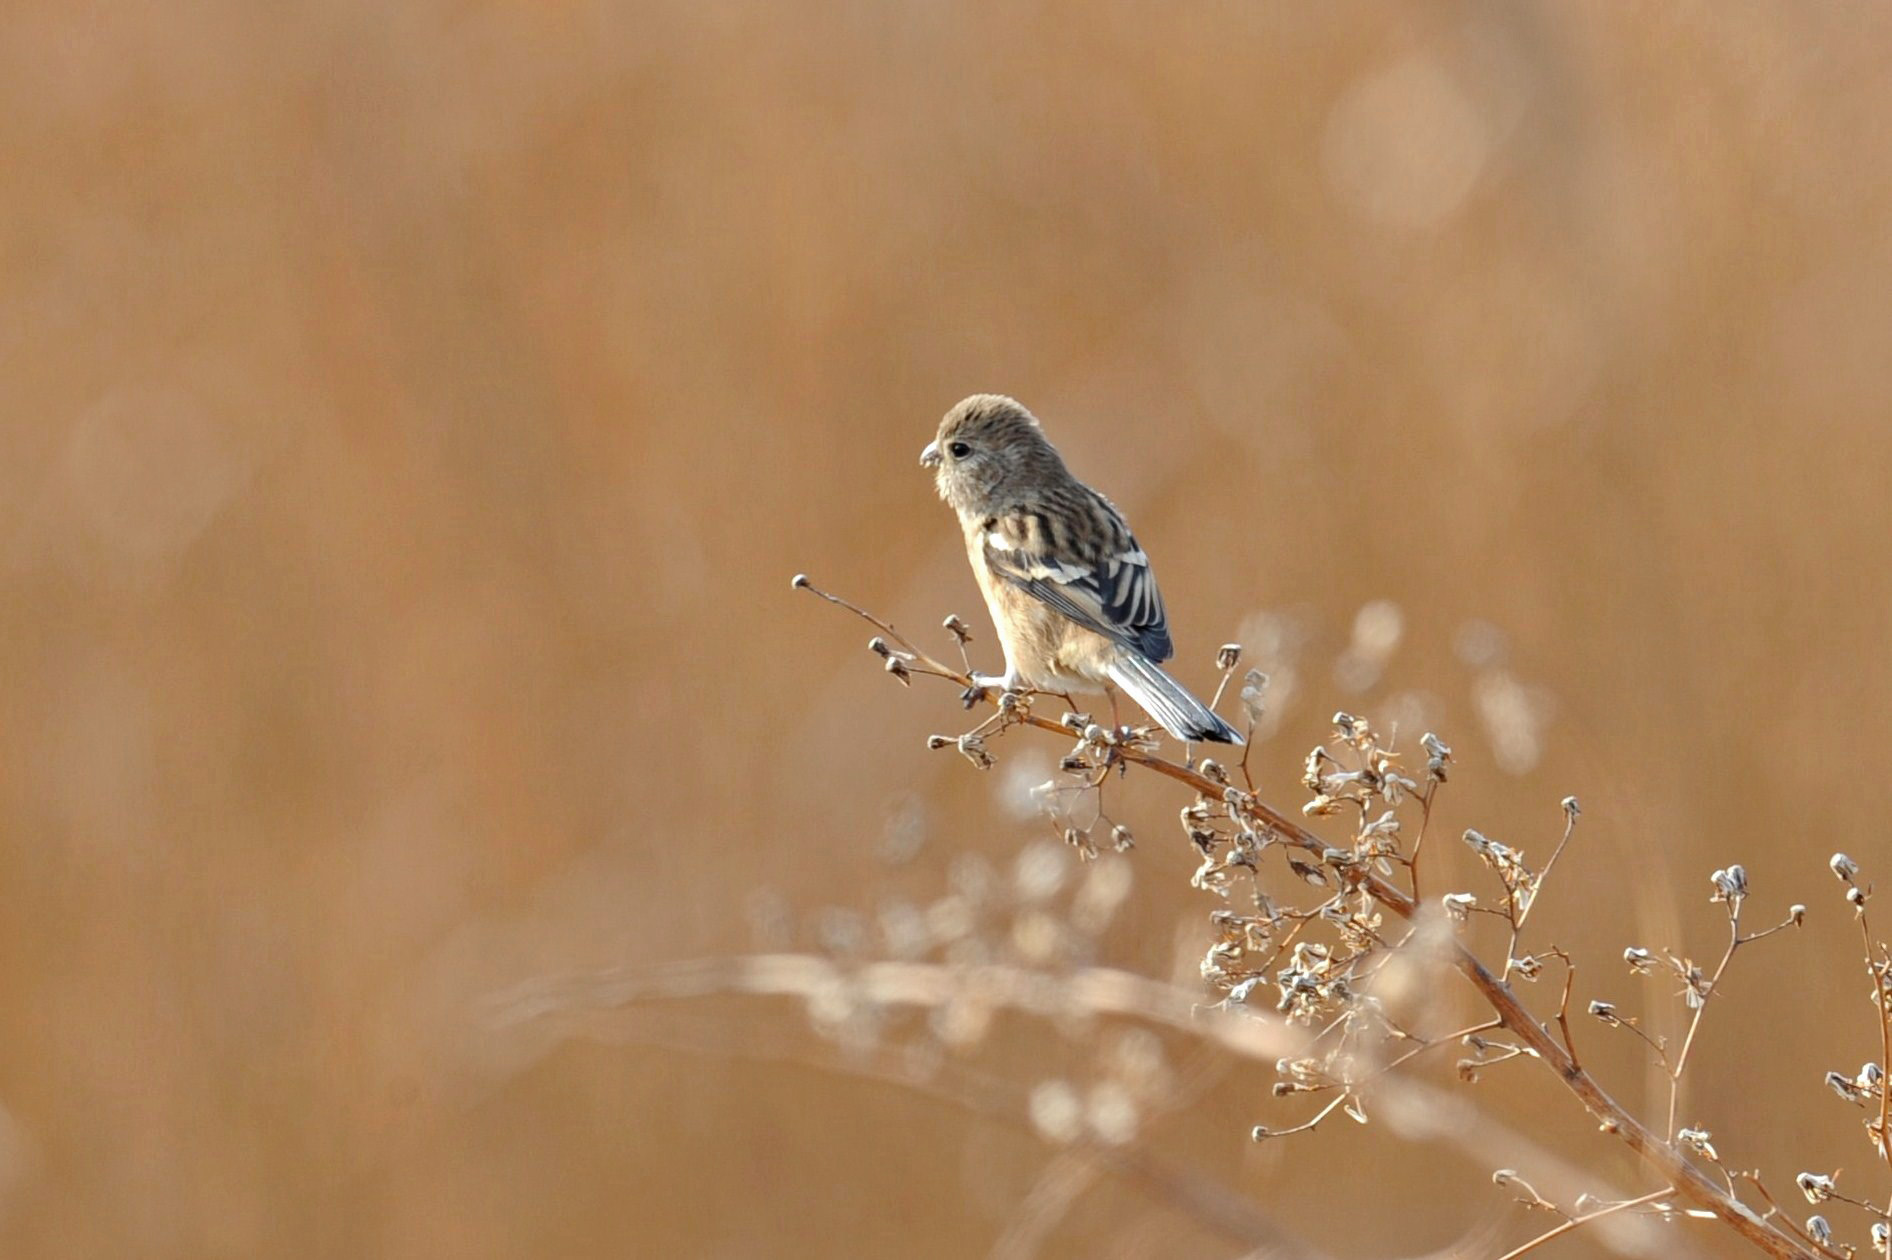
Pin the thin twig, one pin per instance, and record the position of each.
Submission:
(1576, 1221)
(1680, 1063)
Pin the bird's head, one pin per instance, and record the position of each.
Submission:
(989, 449)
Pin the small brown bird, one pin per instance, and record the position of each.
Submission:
(1069, 589)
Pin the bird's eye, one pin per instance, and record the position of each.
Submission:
(960, 450)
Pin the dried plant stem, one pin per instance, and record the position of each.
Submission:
(1574, 1222)
(1688, 1040)
(1543, 876)
(1668, 1162)
(1876, 967)
(1419, 843)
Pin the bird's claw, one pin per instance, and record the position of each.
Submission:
(984, 685)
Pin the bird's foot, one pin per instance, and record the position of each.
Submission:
(983, 685)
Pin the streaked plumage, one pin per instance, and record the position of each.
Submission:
(1069, 588)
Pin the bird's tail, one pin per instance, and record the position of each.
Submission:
(1168, 701)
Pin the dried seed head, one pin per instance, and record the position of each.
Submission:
(1698, 1140)
(1605, 1011)
(1730, 884)
(1819, 1230)
(1310, 772)
(1228, 656)
(878, 646)
(957, 628)
(1818, 1187)
(800, 580)
(1212, 769)
(1121, 839)
(1254, 696)
(1571, 809)
(1843, 866)
(1844, 1087)
(898, 668)
(1459, 905)
(1856, 897)
(937, 742)
(1882, 1238)
(972, 748)
(1640, 961)
(1796, 914)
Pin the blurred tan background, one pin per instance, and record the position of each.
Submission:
(414, 417)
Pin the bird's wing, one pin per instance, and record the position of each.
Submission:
(1100, 579)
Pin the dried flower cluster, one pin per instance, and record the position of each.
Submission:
(1312, 943)
(1308, 928)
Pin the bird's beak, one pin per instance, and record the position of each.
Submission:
(929, 458)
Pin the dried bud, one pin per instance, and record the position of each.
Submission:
(1843, 866)
(1730, 884)
(1254, 696)
(1605, 1011)
(1856, 897)
(1228, 656)
(1839, 1084)
(1310, 772)
(1121, 839)
(898, 668)
(1698, 1140)
(936, 742)
(957, 628)
(1640, 961)
(801, 580)
(1882, 1238)
(878, 646)
(1796, 914)
(1571, 810)
(1818, 1187)
(1819, 1230)
(1075, 722)
(972, 748)
(1212, 769)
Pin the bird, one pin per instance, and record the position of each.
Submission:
(1069, 589)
